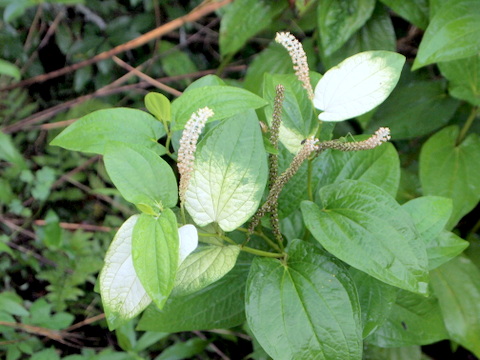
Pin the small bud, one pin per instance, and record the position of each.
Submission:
(299, 59)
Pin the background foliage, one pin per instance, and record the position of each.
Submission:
(59, 210)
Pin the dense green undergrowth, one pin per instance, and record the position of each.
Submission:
(60, 209)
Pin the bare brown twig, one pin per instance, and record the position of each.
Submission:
(197, 13)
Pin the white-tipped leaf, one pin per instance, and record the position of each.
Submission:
(357, 85)
(123, 295)
(229, 175)
(188, 237)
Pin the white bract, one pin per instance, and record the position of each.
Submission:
(123, 295)
(357, 85)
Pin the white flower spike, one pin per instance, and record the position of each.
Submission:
(299, 59)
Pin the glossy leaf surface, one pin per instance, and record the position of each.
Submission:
(155, 252)
(379, 166)
(204, 267)
(243, 19)
(376, 300)
(218, 98)
(338, 20)
(452, 33)
(159, 105)
(141, 176)
(451, 170)
(305, 309)
(92, 132)
(219, 305)
(413, 320)
(415, 11)
(377, 34)
(298, 115)
(457, 286)
(365, 227)
(464, 78)
(415, 110)
(230, 173)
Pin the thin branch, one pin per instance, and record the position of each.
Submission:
(71, 226)
(105, 91)
(202, 10)
(147, 78)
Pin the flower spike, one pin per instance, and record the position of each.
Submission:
(299, 59)
(188, 146)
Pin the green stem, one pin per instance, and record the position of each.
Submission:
(224, 63)
(243, 248)
(467, 125)
(264, 237)
(260, 252)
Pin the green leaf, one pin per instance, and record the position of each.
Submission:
(413, 320)
(123, 295)
(82, 77)
(158, 105)
(338, 20)
(457, 286)
(175, 61)
(208, 80)
(377, 34)
(46, 354)
(230, 173)
(464, 78)
(273, 59)
(92, 132)
(415, 109)
(155, 252)
(8, 151)
(451, 170)
(11, 303)
(243, 19)
(430, 215)
(9, 69)
(365, 227)
(452, 33)
(204, 267)
(379, 166)
(357, 85)
(443, 248)
(225, 101)
(141, 176)
(376, 299)
(183, 350)
(16, 9)
(373, 352)
(304, 309)
(219, 305)
(52, 232)
(415, 11)
(298, 115)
